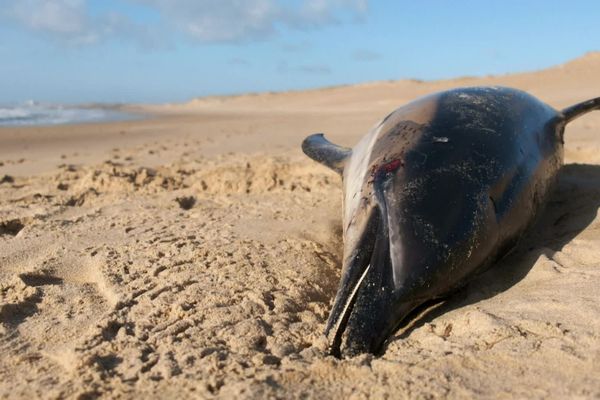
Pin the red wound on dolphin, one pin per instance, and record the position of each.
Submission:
(392, 166)
(387, 168)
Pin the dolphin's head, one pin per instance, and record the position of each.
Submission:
(405, 232)
(410, 235)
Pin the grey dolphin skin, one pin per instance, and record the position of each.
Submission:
(435, 193)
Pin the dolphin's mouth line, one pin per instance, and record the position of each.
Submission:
(340, 326)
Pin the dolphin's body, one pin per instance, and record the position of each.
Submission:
(436, 192)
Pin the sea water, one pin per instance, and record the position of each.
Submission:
(33, 113)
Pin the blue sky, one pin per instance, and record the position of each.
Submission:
(173, 50)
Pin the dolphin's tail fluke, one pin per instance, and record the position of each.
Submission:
(578, 110)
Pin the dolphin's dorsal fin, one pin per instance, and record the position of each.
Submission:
(578, 110)
(322, 150)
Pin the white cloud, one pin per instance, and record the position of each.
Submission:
(59, 16)
(243, 20)
(217, 20)
(66, 19)
(70, 21)
(202, 20)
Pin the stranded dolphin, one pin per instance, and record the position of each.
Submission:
(436, 192)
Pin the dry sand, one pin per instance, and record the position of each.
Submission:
(196, 253)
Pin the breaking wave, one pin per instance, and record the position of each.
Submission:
(33, 113)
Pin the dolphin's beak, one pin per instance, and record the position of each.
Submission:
(356, 268)
(366, 311)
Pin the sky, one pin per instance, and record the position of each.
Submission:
(152, 51)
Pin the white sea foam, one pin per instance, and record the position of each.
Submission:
(33, 113)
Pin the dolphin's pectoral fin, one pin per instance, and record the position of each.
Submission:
(323, 151)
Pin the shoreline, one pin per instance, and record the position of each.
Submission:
(40, 115)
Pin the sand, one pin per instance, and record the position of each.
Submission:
(196, 253)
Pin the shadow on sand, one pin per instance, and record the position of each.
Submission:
(571, 208)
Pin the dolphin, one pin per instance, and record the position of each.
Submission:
(435, 193)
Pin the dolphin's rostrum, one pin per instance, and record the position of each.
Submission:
(436, 192)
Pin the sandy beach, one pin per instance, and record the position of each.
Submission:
(196, 253)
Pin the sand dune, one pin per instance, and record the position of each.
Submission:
(197, 253)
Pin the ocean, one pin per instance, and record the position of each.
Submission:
(33, 113)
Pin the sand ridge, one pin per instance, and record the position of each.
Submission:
(197, 253)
